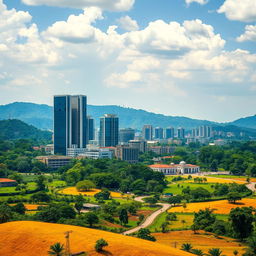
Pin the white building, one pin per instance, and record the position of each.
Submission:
(175, 169)
(97, 153)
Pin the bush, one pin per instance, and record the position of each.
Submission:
(100, 244)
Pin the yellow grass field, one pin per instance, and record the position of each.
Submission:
(221, 206)
(200, 241)
(28, 238)
(92, 192)
(32, 207)
(219, 180)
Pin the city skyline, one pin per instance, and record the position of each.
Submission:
(191, 58)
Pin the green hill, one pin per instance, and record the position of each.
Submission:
(13, 129)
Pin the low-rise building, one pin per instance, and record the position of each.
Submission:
(98, 153)
(54, 161)
(7, 183)
(176, 169)
(127, 154)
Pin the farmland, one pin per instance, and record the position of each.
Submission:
(26, 238)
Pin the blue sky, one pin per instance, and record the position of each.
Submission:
(193, 58)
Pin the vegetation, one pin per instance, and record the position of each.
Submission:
(100, 244)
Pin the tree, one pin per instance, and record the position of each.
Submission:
(197, 252)
(235, 252)
(144, 233)
(242, 221)
(123, 216)
(103, 195)
(5, 212)
(215, 252)
(164, 226)
(85, 185)
(19, 208)
(90, 218)
(183, 223)
(56, 249)
(195, 228)
(251, 250)
(204, 218)
(233, 197)
(41, 197)
(40, 182)
(186, 247)
(200, 193)
(150, 200)
(100, 244)
(79, 203)
(175, 200)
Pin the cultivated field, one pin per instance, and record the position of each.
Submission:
(220, 207)
(202, 241)
(27, 238)
(92, 192)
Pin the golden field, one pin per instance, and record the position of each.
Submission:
(219, 180)
(92, 192)
(202, 240)
(28, 238)
(221, 206)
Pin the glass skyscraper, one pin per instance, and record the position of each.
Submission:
(70, 124)
(109, 130)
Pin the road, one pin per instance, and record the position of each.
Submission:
(150, 219)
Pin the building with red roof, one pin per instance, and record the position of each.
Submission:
(7, 183)
(175, 169)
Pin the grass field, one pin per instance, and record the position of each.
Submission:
(30, 186)
(201, 241)
(177, 188)
(220, 207)
(73, 191)
(233, 177)
(27, 238)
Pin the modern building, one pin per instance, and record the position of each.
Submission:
(160, 150)
(98, 153)
(7, 183)
(159, 133)
(181, 133)
(141, 145)
(70, 124)
(128, 154)
(147, 132)
(175, 169)
(109, 130)
(126, 134)
(90, 129)
(54, 161)
(169, 133)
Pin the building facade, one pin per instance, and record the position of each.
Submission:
(159, 133)
(126, 134)
(147, 132)
(176, 169)
(141, 145)
(181, 133)
(90, 129)
(109, 131)
(128, 154)
(70, 123)
(169, 133)
(54, 161)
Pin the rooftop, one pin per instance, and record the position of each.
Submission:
(7, 180)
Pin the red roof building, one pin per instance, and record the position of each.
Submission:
(7, 182)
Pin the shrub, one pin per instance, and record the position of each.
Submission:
(100, 244)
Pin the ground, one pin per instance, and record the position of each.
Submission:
(202, 240)
(220, 207)
(27, 238)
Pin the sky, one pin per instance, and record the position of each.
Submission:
(194, 58)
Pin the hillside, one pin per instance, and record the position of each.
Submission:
(249, 122)
(16, 129)
(27, 238)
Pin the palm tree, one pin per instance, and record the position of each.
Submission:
(235, 252)
(197, 252)
(215, 252)
(56, 249)
(186, 247)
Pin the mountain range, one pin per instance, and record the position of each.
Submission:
(41, 116)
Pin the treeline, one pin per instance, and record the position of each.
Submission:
(115, 175)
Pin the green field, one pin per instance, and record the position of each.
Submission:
(30, 186)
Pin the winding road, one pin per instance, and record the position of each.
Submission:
(150, 219)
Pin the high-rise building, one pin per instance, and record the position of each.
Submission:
(90, 128)
(109, 130)
(70, 124)
(181, 133)
(159, 133)
(147, 132)
(126, 134)
(141, 145)
(169, 133)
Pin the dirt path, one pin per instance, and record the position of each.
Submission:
(150, 219)
(251, 186)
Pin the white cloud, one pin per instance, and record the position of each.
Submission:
(241, 10)
(249, 34)
(188, 2)
(127, 23)
(112, 5)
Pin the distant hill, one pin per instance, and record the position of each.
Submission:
(249, 122)
(41, 116)
(29, 238)
(16, 129)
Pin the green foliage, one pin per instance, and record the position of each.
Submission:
(186, 247)
(103, 195)
(5, 213)
(174, 200)
(233, 197)
(19, 208)
(85, 185)
(79, 203)
(204, 218)
(144, 233)
(123, 216)
(56, 249)
(215, 252)
(41, 197)
(100, 244)
(90, 218)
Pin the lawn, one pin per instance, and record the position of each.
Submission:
(233, 177)
(202, 240)
(220, 207)
(30, 186)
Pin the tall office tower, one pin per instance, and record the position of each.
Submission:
(90, 128)
(70, 124)
(159, 133)
(126, 134)
(202, 131)
(147, 132)
(109, 129)
(209, 133)
(169, 133)
(181, 133)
